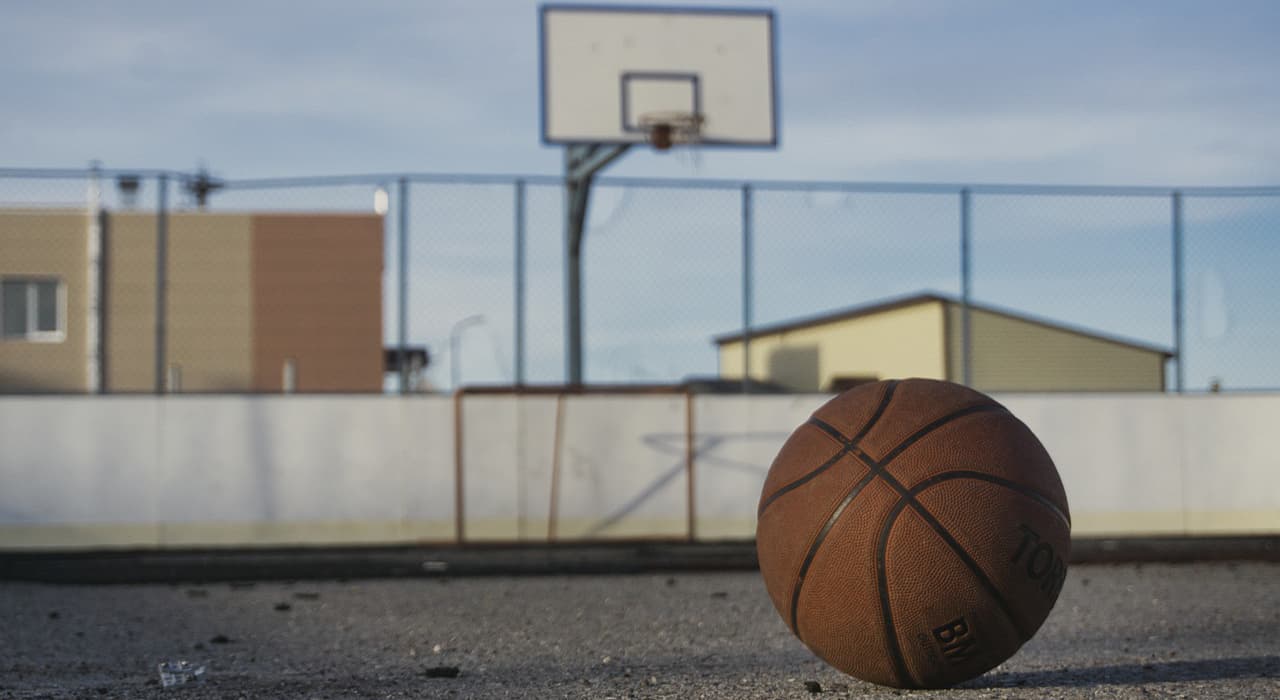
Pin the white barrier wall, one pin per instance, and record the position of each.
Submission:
(142, 471)
(253, 471)
(1205, 464)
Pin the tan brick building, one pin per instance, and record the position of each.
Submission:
(255, 302)
(921, 336)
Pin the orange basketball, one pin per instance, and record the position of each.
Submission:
(913, 533)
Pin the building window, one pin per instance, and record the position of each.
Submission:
(32, 308)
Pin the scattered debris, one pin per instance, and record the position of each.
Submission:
(437, 649)
(441, 672)
(813, 686)
(179, 673)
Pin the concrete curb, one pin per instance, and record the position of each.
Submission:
(169, 566)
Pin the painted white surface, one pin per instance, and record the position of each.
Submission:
(78, 460)
(190, 471)
(218, 470)
(622, 467)
(586, 52)
(1120, 458)
(490, 467)
(1232, 463)
(737, 439)
(426, 471)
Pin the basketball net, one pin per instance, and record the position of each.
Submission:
(678, 131)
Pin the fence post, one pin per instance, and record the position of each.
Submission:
(402, 280)
(95, 320)
(162, 278)
(1178, 332)
(747, 285)
(520, 282)
(966, 290)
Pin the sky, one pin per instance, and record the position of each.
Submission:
(1147, 92)
(1144, 92)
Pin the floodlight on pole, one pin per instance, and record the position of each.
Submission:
(455, 342)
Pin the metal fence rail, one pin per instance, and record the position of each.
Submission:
(474, 264)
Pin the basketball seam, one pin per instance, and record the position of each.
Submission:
(847, 445)
(816, 542)
(835, 458)
(1014, 486)
(881, 469)
(886, 605)
(974, 568)
(875, 468)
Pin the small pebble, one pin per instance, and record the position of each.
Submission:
(813, 686)
(441, 672)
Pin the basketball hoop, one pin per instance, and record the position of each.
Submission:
(670, 128)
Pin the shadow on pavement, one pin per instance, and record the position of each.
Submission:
(1138, 673)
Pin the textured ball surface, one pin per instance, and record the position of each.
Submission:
(913, 533)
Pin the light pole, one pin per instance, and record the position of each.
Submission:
(455, 340)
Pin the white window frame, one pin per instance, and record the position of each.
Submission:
(60, 310)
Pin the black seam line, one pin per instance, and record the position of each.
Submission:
(974, 568)
(849, 443)
(880, 469)
(813, 549)
(999, 481)
(840, 454)
(884, 403)
(886, 608)
(954, 415)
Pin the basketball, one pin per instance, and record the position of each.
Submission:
(913, 533)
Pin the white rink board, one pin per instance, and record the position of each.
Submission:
(224, 471)
(95, 472)
(737, 437)
(1120, 458)
(79, 461)
(623, 467)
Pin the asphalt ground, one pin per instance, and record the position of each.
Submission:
(1176, 630)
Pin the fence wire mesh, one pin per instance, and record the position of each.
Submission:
(163, 287)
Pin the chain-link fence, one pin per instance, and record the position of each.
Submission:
(151, 281)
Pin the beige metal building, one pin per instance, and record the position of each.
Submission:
(254, 302)
(921, 336)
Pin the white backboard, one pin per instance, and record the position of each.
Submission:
(603, 67)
